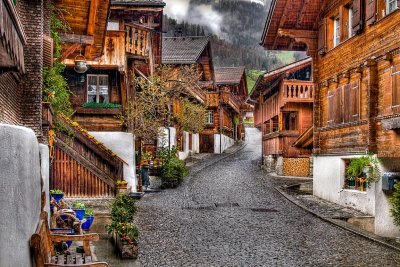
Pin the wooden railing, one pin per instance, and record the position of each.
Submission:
(12, 36)
(231, 100)
(136, 40)
(298, 91)
(212, 99)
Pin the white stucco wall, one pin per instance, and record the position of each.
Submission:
(20, 193)
(123, 145)
(167, 136)
(195, 143)
(45, 172)
(329, 174)
(185, 153)
(226, 143)
(384, 224)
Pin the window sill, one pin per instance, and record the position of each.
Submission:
(340, 44)
(385, 17)
(342, 125)
(100, 111)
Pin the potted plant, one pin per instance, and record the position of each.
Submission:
(121, 184)
(57, 194)
(123, 231)
(89, 216)
(365, 169)
(79, 208)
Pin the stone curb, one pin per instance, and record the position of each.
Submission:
(218, 160)
(369, 236)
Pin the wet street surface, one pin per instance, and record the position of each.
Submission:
(229, 214)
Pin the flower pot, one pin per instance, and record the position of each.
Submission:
(80, 213)
(351, 184)
(89, 220)
(57, 197)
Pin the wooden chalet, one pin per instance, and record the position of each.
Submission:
(284, 105)
(233, 80)
(355, 50)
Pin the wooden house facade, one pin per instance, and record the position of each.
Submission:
(233, 80)
(284, 105)
(355, 50)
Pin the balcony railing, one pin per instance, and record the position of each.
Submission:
(136, 40)
(212, 99)
(231, 100)
(12, 37)
(298, 91)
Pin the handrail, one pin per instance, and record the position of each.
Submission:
(298, 90)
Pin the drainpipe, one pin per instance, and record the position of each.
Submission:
(220, 125)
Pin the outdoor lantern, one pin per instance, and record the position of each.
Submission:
(80, 64)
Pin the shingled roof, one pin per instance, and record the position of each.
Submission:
(229, 75)
(139, 2)
(183, 50)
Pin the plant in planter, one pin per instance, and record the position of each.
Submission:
(79, 208)
(121, 184)
(57, 194)
(173, 172)
(124, 231)
(89, 216)
(364, 169)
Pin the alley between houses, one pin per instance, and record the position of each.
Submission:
(229, 214)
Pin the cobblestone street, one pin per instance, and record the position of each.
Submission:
(229, 214)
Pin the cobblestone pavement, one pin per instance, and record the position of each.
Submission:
(229, 214)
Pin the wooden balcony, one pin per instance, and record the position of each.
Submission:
(231, 100)
(12, 38)
(137, 40)
(298, 91)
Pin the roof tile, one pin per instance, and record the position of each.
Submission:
(229, 75)
(183, 50)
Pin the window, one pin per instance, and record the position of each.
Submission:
(336, 31)
(210, 117)
(396, 86)
(350, 22)
(290, 121)
(97, 88)
(268, 127)
(113, 26)
(391, 5)
(275, 124)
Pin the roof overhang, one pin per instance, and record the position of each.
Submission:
(291, 25)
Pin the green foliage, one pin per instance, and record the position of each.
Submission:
(55, 89)
(100, 105)
(122, 211)
(89, 212)
(357, 166)
(235, 120)
(395, 200)
(191, 117)
(56, 191)
(79, 205)
(251, 78)
(174, 170)
(57, 25)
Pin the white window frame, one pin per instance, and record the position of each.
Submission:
(336, 31)
(113, 25)
(97, 86)
(210, 117)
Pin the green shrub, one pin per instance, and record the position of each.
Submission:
(79, 205)
(100, 105)
(122, 211)
(395, 200)
(174, 170)
(356, 168)
(56, 191)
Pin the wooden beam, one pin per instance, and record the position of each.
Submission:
(282, 20)
(68, 51)
(91, 24)
(74, 38)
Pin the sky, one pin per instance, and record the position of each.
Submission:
(199, 14)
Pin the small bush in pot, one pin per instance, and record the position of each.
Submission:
(79, 208)
(89, 216)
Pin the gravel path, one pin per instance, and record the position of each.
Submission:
(229, 214)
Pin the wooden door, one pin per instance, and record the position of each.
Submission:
(206, 143)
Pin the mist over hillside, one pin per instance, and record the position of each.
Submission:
(235, 26)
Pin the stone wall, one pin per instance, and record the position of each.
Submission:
(20, 193)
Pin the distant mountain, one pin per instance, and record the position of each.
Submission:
(235, 26)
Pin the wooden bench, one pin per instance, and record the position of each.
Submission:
(42, 245)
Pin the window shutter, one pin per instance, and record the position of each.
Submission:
(357, 16)
(396, 86)
(337, 105)
(355, 102)
(331, 109)
(322, 28)
(370, 11)
(47, 51)
(347, 103)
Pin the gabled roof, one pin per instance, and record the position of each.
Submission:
(278, 74)
(229, 75)
(183, 50)
(149, 3)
